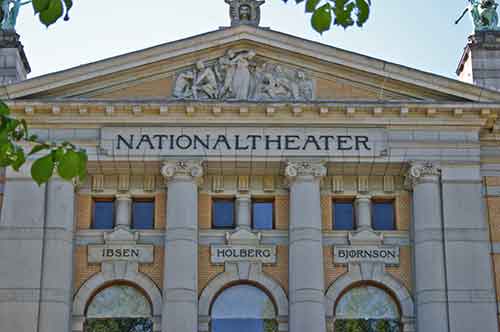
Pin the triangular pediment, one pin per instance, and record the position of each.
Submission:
(245, 63)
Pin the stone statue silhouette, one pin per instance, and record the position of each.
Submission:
(9, 10)
(483, 14)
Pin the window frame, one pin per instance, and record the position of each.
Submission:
(391, 200)
(108, 199)
(212, 212)
(143, 199)
(344, 199)
(263, 200)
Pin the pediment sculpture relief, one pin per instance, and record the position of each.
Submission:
(239, 75)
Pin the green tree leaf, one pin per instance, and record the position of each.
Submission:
(82, 165)
(69, 165)
(38, 148)
(52, 13)
(42, 169)
(40, 5)
(20, 159)
(4, 109)
(311, 5)
(321, 20)
(363, 12)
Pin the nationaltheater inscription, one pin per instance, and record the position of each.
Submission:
(251, 141)
(135, 253)
(263, 254)
(356, 254)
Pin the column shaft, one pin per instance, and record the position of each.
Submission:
(243, 212)
(429, 269)
(471, 289)
(123, 211)
(363, 212)
(306, 271)
(57, 280)
(180, 293)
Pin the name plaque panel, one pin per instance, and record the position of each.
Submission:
(243, 141)
(355, 254)
(133, 253)
(235, 253)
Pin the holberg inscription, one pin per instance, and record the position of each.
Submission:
(263, 254)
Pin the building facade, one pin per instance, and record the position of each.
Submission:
(250, 180)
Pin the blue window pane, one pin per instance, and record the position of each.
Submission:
(103, 215)
(143, 214)
(343, 216)
(223, 214)
(262, 215)
(383, 216)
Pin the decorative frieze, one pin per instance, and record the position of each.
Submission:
(97, 183)
(338, 184)
(217, 183)
(268, 184)
(123, 183)
(363, 184)
(243, 183)
(149, 183)
(389, 185)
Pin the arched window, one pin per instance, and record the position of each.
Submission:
(367, 309)
(119, 308)
(243, 308)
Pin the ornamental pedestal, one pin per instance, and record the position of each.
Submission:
(14, 66)
(306, 270)
(180, 287)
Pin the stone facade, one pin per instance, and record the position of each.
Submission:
(264, 117)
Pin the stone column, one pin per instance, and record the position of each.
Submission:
(36, 254)
(471, 287)
(180, 287)
(57, 281)
(363, 213)
(307, 310)
(244, 212)
(123, 211)
(427, 236)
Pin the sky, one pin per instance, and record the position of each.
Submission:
(418, 34)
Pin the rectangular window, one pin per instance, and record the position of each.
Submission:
(143, 213)
(263, 214)
(343, 215)
(223, 213)
(383, 215)
(103, 216)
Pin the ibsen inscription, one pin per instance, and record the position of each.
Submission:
(263, 254)
(252, 141)
(135, 253)
(354, 254)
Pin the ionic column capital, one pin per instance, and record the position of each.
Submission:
(420, 172)
(294, 170)
(182, 168)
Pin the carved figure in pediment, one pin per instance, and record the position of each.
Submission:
(184, 85)
(242, 78)
(206, 82)
(240, 75)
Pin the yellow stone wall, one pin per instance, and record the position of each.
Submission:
(282, 205)
(332, 272)
(204, 211)
(155, 269)
(279, 271)
(84, 214)
(206, 270)
(403, 272)
(83, 270)
(156, 88)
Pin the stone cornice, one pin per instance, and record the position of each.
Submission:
(319, 112)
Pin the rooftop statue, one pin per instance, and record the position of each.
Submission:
(9, 13)
(483, 14)
(244, 11)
